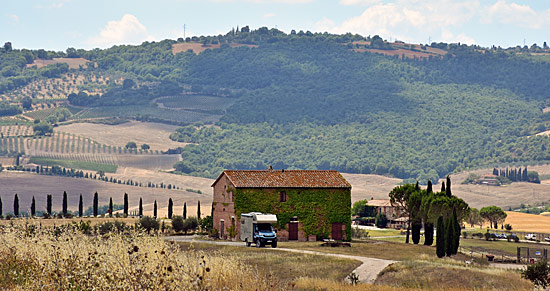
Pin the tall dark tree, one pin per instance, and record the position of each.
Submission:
(16, 205)
(442, 187)
(64, 203)
(110, 206)
(125, 204)
(0, 206)
(448, 187)
(456, 235)
(170, 208)
(199, 210)
(80, 206)
(140, 207)
(449, 236)
(155, 209)
(185, 210)
(399, 196)
(440, 238)
(33, 207)
(96, 204)
(429, 187)
(49, 202)
(495, 171)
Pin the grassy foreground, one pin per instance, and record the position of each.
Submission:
(63, 258)
(441, 274)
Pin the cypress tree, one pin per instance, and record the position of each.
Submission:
(96, 204)
(440, 238)
(449, 236)
(448, 186)
(33, 207)
(199, 210)
(170, 208)
(0, 206)
(49, 204)
(80, 206)
(125, 204)
(456, 237)
(64, 203)
(416, 227)
(185, 210)
(442, 187)
(16, 205)
(495, 171)
(140, 207)
(155, 209)
(428, 233)
(417, 187)
(110, 206)
(429, 188)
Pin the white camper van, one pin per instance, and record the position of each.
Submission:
(258, 228)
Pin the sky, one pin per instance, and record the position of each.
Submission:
(60, 24)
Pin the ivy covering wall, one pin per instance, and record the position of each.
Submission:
(316, 209)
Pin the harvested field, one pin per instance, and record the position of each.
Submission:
(198, 48)
(147, 162)
(156, 135)
(74, 63)
(400, 53)
(528, 222)
(366, 186)
(27, 185)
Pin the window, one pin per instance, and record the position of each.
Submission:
(282, 196)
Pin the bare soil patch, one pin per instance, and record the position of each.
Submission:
(400, 53)
(198, 48)
(74, 63)
(156, 135)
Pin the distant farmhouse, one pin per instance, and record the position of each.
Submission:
(309, 204)
(393, 213)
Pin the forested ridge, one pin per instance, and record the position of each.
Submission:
(308, 101)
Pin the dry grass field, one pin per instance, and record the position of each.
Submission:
(156, 135)
(27, 185)
(198, 48)
(366, 186)
(528, 222)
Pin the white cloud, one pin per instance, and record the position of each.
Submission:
(13, 18)
(359, 2)
(269, 15)
(127, 30)
(58, 3)
(411, 20)
(265, 1)
(503, 12)
(324, 24)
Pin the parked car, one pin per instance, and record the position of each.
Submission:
(503, 235)
(547, 239)
(513, 236)
(530, 236)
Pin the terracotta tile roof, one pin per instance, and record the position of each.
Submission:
(379, 202)
(285, 179)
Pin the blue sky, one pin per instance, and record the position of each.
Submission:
(59, 24)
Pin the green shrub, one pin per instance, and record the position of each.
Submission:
(538, 273)
(148, 223)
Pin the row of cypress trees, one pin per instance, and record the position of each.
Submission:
(428, 208)
(95, 207)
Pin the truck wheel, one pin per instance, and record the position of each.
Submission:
(248, 243)
(274, 244)
(258, 243)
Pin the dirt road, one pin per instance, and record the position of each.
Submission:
(367, 271)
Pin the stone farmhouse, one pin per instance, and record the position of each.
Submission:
(310, 204)
(394, 214)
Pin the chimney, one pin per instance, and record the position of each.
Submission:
(283, 170)
(270, 168)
